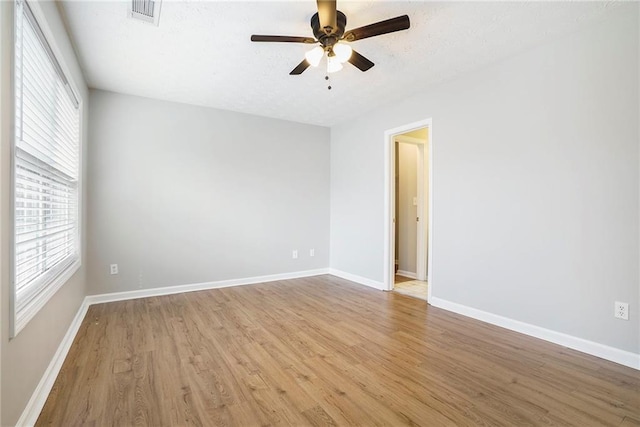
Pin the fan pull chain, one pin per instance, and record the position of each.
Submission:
(329, 83)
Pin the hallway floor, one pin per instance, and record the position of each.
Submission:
(410, 287)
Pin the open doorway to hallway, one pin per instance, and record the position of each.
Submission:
(408, 249)
(411, 212)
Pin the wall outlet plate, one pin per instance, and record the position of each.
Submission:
(294, 254)
(621, 310)
(113, 269)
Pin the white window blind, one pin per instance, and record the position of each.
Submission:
(46, 158)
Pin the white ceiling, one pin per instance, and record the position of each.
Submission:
(201, 54)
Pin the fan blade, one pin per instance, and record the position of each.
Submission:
(327, 14)
(300, 68)
(282, 39)
(362, 63)
(383, 27)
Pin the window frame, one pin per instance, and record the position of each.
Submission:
(61, 274)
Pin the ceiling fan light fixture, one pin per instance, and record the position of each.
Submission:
(333, 64)
(328, 26)
(343, 51)
(314, 56)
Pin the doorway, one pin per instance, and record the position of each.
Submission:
(408, 206)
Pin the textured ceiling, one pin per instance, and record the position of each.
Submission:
(201, 54)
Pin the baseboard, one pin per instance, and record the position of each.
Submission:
(39, 397)
(407, 274)
(358, 279)
(606, 352)
(168, 290)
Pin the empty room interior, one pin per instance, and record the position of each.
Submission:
(319, 213)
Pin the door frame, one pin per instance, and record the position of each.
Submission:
(389, 202)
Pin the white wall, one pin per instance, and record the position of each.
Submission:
(182, 194)
(406, 224)
(535, 175)
(25, 357)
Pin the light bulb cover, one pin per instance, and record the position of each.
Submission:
(343, 51)
(333, 64)
(314, 56)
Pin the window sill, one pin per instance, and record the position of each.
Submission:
(36, 304)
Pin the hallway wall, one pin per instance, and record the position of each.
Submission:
(406, 225)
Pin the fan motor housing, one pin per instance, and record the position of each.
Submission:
(328, 40)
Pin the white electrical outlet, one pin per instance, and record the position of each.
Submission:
(621, 310)
(113, 268)
(312, 252)
(294, 254)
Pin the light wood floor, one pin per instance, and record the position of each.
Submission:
(323, 351)
(412, 288)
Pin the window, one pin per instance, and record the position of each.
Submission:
(46, 165)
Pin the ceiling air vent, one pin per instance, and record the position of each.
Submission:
(145, 10)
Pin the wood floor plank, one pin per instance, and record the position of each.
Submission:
(323, 351)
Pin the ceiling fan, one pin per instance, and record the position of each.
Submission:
(328, 26)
